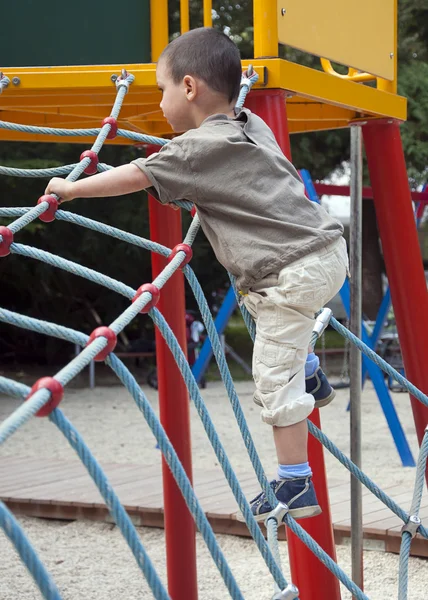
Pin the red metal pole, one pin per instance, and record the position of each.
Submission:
(345, 190)
(165, 228)
(402, 254)
(270, 106)
(312, 578)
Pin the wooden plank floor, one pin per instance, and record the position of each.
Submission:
(64, 490)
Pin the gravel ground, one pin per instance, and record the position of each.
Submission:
(90, 560)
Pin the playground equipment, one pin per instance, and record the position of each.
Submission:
(290, 98)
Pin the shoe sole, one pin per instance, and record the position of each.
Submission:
(325, 401)
(297, 513)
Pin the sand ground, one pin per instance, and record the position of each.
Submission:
(91, 561)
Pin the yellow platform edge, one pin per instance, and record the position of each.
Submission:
(80, 97)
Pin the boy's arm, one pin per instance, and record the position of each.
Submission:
(116, 182)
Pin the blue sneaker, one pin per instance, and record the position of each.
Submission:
(298, 494)
(318, 385)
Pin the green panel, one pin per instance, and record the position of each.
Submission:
(78, 32)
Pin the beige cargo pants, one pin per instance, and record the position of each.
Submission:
(284, 312)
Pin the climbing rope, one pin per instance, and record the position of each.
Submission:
(46, 394)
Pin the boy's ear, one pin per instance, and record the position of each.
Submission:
(190, 87)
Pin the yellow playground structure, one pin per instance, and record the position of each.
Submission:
(78, 96)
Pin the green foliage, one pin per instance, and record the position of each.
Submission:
(234, 18)
(413, 83)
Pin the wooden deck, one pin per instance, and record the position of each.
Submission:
(63, 490)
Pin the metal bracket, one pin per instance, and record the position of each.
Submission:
(278, 513)
(412, 525)
(123, 81)
(4, 80)
(290, 593)
(322, 320)
(247, 74)
(246, 81)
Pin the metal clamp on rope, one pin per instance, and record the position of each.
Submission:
(245, 80)
(4, 81)
(249, 72)
(123, 80)
(322, 320)
(412, 525)
(290, 593)
(278, 513)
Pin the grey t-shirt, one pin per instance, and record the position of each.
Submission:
(250, 199)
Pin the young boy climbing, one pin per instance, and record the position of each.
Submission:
(287, 254)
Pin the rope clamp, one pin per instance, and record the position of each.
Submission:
(278, 513)
(248, 73)
(246, 82)
(322, 320)
(4, 81)
(56, 389)
(181, 248)
(123, 81)
(113, 127)
(412, 525)
(111, 338)
(150, 289)
(92, 168)
(290, 593)
(5, 243)
(49, 215)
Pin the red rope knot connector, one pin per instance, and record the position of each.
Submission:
(49, 215)
(153, 290)
(91, 169)
(111, 337)
(193, 212)
(181, 248)
(113, 127)
(56, 390)
(5, 243)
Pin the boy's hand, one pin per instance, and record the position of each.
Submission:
(62, 188)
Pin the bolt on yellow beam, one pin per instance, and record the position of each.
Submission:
(184, 16)
(158, 27)
(208, 16)
(265, 14)
(384, 84)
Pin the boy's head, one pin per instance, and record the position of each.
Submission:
(202, 67)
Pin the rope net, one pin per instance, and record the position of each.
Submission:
(45, 396)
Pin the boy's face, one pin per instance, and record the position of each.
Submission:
(175, 100)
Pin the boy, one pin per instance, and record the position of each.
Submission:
(287, 254)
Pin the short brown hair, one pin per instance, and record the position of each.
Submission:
(209, 55)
